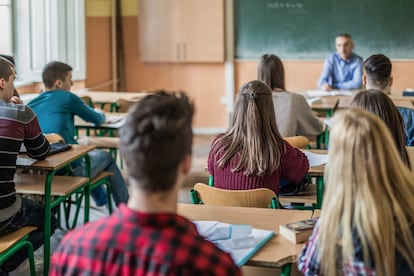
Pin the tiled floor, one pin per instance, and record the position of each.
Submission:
(201, 148)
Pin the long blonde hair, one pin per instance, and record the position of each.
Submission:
(254, 134)
(369, 195)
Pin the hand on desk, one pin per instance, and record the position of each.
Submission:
(326, 87)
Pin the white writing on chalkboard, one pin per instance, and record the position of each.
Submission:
(284, 5)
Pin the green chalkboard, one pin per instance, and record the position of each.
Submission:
(305, 29)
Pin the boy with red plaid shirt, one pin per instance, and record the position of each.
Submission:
(147, 237)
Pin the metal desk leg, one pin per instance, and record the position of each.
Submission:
(285, 271)
(47, 223)
(319, 192)
(87, 187)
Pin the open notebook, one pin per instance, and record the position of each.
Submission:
(240, 240)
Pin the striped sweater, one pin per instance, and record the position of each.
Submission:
(18, 124)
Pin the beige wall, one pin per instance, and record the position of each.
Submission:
(204, 82)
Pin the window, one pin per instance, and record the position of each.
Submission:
(46, 30)
(6, 41)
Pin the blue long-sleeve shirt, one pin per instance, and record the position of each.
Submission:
(342, 74)
(56, 110)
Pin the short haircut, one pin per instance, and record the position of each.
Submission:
(9, 58)
(344, 35)
(270, 70)
(155, 138)
(377, 69)
(54, 71)
(6, 68)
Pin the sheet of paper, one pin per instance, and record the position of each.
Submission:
(23, 160)
(316, 159)
(323, 93)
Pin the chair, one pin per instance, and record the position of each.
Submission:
(261, 198)
(11, 243)
(54, 138)
(101, 179)
(123, 105)
(300, 142)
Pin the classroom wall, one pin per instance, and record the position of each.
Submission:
(204, 82)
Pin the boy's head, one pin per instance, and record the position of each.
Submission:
(7, 76)
(156, 139)
(57, 76)
(377, 73)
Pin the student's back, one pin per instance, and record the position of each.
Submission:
(252, 154)
(357, 233)
(293, 114)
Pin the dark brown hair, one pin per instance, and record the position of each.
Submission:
(6, 68)
(155, 138)
(54, 71)
(377, 69)
(270, 70)
(377, 102)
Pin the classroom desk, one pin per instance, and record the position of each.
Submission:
(276, 253)
(110, 97)
(52, 164)
(107, 126)
(318, 173)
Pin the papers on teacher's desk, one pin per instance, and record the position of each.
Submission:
(316, 159)
(323, 93)
(240, 240)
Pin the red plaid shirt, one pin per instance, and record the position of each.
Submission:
(134, 243)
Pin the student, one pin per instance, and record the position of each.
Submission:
(377, 75)
(293, 114)
(381, 105)
(342, 69)
(147, 236)
(18, 124)
(366, 224)
(16, 97)
(56, 108)
(252, 154)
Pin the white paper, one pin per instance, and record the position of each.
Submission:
(316, 159)
(323, 93)
(24, 160)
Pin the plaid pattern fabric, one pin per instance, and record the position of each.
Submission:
(134, 243)
(309, 261)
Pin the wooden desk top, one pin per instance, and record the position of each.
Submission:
(79, 122)
(276, 252)
(111, 96)
(61, 159)
(328, 103)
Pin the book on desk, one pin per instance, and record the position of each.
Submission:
(299, 231)
(240, 240)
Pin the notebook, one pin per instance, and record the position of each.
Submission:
(241, 241)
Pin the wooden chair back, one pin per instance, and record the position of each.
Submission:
(261, 198)
(300, 142)
(123, 105)
(54, 138)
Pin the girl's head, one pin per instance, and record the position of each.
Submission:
(377, 102)
(368, 195)
(254, 131)
(270, 70)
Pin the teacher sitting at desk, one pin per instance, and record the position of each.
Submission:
(342, 69)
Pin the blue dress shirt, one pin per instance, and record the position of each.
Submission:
(342, 74)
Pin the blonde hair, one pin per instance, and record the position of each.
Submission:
(369, 194)
(254, 134)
